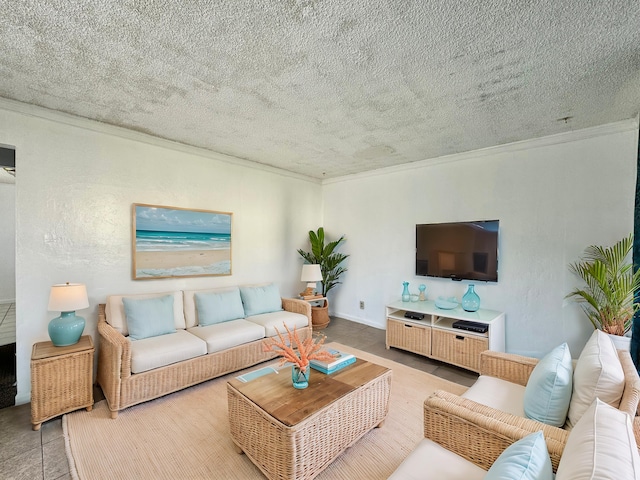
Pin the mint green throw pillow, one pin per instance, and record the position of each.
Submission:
(218, 307)
(548, 392)
(149, 317)
(262, 299)
(526, 459)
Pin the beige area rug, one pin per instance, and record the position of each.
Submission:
(185, 435)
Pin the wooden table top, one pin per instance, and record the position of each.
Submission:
(274, 393)
(42, 350)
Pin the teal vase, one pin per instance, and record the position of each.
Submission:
(406, 297)
(299, 378)
(471, 300)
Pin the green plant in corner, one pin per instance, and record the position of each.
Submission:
(607, 297)
(325, 256)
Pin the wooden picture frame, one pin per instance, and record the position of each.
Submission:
(171, 242)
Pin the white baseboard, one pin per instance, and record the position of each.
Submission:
(363, 321)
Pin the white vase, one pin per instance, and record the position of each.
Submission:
(620, 342)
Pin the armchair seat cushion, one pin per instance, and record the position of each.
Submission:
(497, 393)
(155, 352)
(273, 320)
(221, 336)
(430, 461)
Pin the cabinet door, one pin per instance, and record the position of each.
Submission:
(458, 349)
(407, 336)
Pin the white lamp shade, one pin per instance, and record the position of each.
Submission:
(68, 297)
(311, 273)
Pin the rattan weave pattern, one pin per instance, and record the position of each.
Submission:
(461, 350)
(123, 389)
(60, 384)
(410, 337)
(449, 419)
(304, 450)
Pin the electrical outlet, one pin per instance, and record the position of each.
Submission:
(361, 305)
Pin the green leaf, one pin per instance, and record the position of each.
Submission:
(326, 257)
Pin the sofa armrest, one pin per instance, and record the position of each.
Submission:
(631, 393)
(480, 433)
(507, 366)
(114, 360)
(296, 305)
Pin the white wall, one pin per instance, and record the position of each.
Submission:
(553, 197)
(74, 195)
(7, 242)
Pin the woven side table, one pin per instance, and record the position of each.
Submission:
(61, 379)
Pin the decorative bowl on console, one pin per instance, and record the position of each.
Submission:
(446, 303)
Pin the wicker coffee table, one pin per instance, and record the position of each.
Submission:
(295, 434)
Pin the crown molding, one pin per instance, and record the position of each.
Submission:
(128, 134)
(556, 139)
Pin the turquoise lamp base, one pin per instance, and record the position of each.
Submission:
(66, 329)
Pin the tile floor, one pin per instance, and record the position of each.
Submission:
(29, 455)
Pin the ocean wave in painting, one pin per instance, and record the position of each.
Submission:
(156, 241)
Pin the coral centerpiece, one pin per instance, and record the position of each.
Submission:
(299, 353)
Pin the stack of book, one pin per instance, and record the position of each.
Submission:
(340, 361)
(310, 297)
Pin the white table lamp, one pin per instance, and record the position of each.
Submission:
(66, 298)
(311, 274)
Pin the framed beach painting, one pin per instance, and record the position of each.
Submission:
(179, 242)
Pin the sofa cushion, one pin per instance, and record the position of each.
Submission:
(149, 317)
(115, 316)
(189, 297)
(155, 352)
(497, 393)
(600, 445)
(598, 374)
(221, 336)
(273, 320)
(261, 299)
(217, 307)
(548, 391)
(430, 461)
(526, 459)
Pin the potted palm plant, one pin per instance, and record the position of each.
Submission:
(330, 266)
(608, 294)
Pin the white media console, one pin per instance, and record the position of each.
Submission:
(435, 337)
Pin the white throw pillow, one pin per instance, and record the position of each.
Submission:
(601, 445)
(598, 374)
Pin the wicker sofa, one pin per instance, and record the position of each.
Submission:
(131, 371)
(448, 416)
(601, 445)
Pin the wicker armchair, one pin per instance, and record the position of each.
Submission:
(451, 420)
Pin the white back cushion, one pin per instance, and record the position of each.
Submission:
(115, 316)
(598, 374)
(600, 445)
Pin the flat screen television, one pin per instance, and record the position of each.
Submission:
(459, 250)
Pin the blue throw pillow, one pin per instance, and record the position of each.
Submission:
(263, 299)
(218, 307)
(526, 459)
(548, 391)
(149, 317)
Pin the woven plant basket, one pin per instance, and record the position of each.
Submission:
(320, 316)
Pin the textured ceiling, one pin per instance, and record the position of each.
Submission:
(328, 88)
